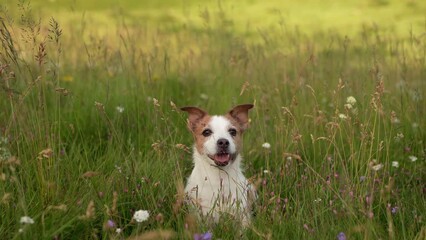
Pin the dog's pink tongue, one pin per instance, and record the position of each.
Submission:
(222, 158)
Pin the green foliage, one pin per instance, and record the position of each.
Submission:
(90, 129)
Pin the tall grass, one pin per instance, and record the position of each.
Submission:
(91, 132)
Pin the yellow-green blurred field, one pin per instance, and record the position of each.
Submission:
(90, 130)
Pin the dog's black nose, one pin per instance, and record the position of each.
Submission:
(223, 143)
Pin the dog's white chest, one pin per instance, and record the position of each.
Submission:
(217, 190)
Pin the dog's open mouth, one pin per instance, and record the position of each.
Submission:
(222, 159)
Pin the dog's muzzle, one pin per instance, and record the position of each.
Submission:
(222, 156)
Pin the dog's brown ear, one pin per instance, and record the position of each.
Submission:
(195, 114)
(240, 114)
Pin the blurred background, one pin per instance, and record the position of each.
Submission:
(248, 16)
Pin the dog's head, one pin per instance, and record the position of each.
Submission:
(218, 137)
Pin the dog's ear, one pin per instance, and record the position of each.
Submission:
(240, 114)
(195, 114)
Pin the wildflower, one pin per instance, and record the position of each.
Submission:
(266, 145)
(203, 236)
(26, 220)
(395, 120)
(348, 106)
(412, 158)
(398, 137)
(342, 116)
(141, 216)
(120, 109)
(118, 168)
(156, 102)
(377, 167)
(351, 100)
(394, 210)
(362, 178)
(368, 199)
(118, 230)
(414, 125)
(204, 96)
(100, 106)
(395, 164)
(21, 230)
(265, 171)
(341, 236)
(111, 223)
(159, 218)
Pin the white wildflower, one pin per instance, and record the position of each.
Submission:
(265, 171)
(141, 216)
(395, 164)
(204, 96)
(395, 120)
(21, 230)
(266, 145)
(118, 230)
(377, 167)
(348, 106)
(351, 100)
(398, 137)
(412, 158)
(120, 109)
(342, 116)
(118, 168)
(26, 220)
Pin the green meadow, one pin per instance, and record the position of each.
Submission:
(91, 131)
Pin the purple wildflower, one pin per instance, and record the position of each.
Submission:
(111, 223)
(394, 210)
(203, 236)
(341, 236)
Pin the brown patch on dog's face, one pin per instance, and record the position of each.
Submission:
(200, 127)
(198, 121)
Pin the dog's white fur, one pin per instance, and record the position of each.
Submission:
(220, 189)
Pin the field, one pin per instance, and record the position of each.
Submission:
(91, 131)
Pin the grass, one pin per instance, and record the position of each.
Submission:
(91, 131)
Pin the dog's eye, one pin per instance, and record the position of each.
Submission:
(233, 132)
(207, 132)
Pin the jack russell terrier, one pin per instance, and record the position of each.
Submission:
(217, 184)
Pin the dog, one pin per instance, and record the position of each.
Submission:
(217, 184)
